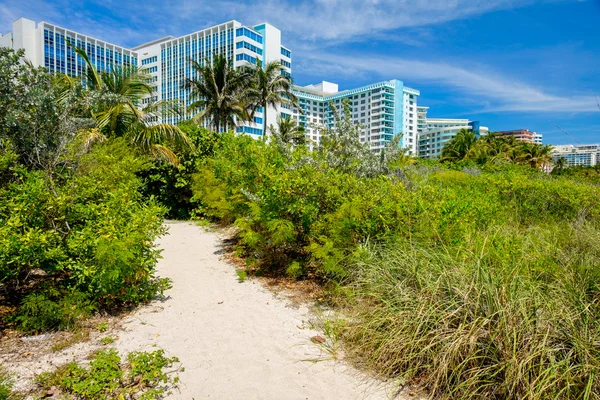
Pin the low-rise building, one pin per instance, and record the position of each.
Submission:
(524, 135)
(580, 154)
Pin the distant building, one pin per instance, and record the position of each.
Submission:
(45, 45)
(580, 154)
(167, 60)
(524, 135)
(384, 110)
(434, 133)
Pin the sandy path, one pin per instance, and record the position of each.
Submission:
(235, 340)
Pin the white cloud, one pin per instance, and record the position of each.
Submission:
(493, 92)
(312, 20)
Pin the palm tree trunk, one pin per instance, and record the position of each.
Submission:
(264, 121)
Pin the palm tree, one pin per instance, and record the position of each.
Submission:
(288, 131)
(220, 92)
(561, 163)
(459, 147)
(117, 94)
(536, 155)
(270, 88)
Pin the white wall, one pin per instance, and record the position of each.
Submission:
(25, 37)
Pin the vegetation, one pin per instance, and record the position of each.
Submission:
(491, 148)
(142, 376)
(270, 88)
(6, 387)
(474, 278)
(76, 235)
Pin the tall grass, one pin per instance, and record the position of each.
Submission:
(511, 314)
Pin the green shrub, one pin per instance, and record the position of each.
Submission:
(473, 282)
(142, 376)
(87, 231)
(171, 185)
(40, 313)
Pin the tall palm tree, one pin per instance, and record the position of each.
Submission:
(220, 92)
(458, 148)
(288, 131)
(536, 155)
(117, 94)
(270, 89)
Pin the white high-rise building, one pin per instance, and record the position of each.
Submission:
(167, 60)
(383, 109)
(45, 45)
(579, 154)
(434, 133)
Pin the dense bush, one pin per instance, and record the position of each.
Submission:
(474, 282)
(171, 184)
(85, 235)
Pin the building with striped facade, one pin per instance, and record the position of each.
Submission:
(383, 110)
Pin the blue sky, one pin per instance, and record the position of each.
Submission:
(508, 63)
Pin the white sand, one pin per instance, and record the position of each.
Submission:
(236, 340)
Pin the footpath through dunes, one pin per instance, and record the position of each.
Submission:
(236, 340)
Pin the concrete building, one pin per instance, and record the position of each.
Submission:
(580, 154)
(434, 133)
(383, 109)
(524, 135)
(45, 45)
(167, 60)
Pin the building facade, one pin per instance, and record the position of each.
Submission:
(524, 135)
(45, 45)
(434, 133)
(383, 110)
(166, 60)
(578, 155)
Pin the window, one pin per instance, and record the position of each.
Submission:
(247, 129)
(286, 52)
(248, 46)
(245, 57)
(286, 63)
(149, 60)
(248, 33)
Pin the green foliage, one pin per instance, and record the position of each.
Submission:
(6, 386)
(494, 149)
(107, 340)
(142, 376)
(476, 282)
(579, 173)
(171, 184)
(86, 231)
(510, 313)
(42, 312)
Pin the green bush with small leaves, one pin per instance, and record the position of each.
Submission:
(141, 376)
(82, 240)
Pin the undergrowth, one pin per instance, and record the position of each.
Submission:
(141, 376)
(474, 282)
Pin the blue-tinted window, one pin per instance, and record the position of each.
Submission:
(245, 57)
(248, 33)
(286, 52)
(248, 46)
(149, 60)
